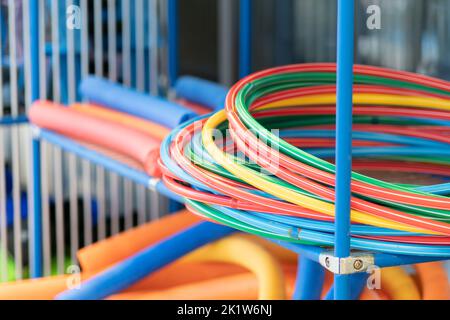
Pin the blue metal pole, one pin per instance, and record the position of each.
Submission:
(344, 139)
(310, 278)
(36, 241)
(245, 38)
(173, 41)
(357, 281)
(173, 8)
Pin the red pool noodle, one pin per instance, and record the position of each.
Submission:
(106, 134)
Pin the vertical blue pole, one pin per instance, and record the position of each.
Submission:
(245, 38)
(357, 284)
(173, 63)
(173, 41)
(344, 139)
(310, 278)
(36, 261)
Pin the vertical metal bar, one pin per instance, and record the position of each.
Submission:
(245, 38)
(115, 206)
(28, 99)
(15, 138)
(100, 195)
(140, 47)
(112, 62)
(41, 239)
(46, 224)
(227, 41)
(140, 85)
(3, 217)
(87, 203)
(98, 34)
(98, 41)
(3, 199)
(154, 198)
(126, 63)
(57, 153)
(357, 284)
(344, 139)
(59, 198)
(173, 40)
(112, 42)
(155, 204)
(73, 178)
(129, 197)
(40, 83)
(86, 166)
(84, 38)
(153, 49)
(126, 43)
(26, 52)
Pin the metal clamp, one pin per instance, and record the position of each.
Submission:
(357, 262)
(35, 132)
(152, 183)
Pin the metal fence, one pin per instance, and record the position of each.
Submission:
(122, 40)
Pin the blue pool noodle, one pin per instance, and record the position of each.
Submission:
(203, 92)
(117, 97)
(133, 269)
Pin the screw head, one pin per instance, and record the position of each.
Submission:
(358, 264)
(327, 262)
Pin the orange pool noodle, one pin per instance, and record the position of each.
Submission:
(107, 252)
(433, 280)
(154, 129)
(235, 287)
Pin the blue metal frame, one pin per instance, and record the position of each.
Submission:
(309, 279)
(245, 38)
(173, 41)
(108, 163)
(36, 243)
(344, 105)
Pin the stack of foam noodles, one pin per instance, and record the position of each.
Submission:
(181, 256)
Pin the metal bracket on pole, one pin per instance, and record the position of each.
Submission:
(152, 183)
(35, 132)
(357, 262)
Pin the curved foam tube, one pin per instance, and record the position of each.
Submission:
(368, 294)
(282, 254)
(399, 285)
(107, 252)
(434, 281)
(149, 127)
(236, 287)
(34, 289)
(176, 274)
(250, 255)
(105, 134)
(204, 92)
(139, 266)
(115, 96)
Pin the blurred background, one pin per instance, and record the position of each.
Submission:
(414, 35)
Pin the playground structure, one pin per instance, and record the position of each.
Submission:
(291, 202)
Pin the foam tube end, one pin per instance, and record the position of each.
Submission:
(203, 92)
